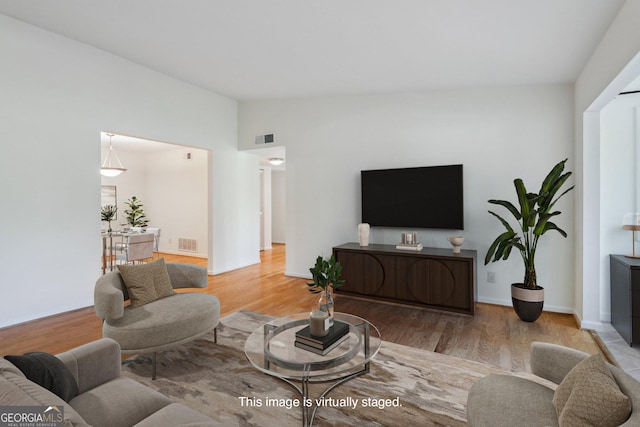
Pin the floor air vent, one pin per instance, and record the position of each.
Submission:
(187, 245)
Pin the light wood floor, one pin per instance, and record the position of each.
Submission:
(494, 335)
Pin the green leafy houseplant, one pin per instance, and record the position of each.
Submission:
(135, 213)
(533, 215)
(326, 274)
(108, 213)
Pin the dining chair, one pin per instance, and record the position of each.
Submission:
(121, 246)
(156, 237)
(139, 247)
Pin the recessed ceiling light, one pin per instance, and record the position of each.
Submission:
(276, 161)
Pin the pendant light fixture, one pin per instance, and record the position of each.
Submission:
(112, 165)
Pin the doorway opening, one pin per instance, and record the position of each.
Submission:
(171, 181)
(273, 166)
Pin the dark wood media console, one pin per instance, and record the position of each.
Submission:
(433, 277)
(625, 297)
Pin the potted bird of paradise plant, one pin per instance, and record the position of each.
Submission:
(533, 215)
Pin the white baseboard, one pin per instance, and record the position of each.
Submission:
(558, 309)
(596, 326)
(182, 253)
(235, 267)
(600, 326)
(300, 275)
(508, 303)
(494, 301)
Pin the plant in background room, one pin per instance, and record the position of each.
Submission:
(108, 213)
(533, 215)
(326, 276)
(135, 213)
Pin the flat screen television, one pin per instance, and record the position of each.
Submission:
(420, 197)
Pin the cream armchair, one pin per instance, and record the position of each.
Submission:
(159, 325)
(507, 400)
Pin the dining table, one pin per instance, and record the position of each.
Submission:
(108, 252)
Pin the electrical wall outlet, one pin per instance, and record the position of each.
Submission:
(491, 277)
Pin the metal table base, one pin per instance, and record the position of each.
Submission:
(309, 411)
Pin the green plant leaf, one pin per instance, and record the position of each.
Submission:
(514, 211)
(503, 221)
(540, 228)
(523, 200)
(551, 226)
(504, 249)
(552, 177)
(325, 273)
(507, 251)
(494, 246)
(558, 198)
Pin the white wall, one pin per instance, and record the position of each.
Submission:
(498, 134)
(618, 185)
(265, 208)
(235, 241)
(57, 95)
(614, 64)
(177, 200)
(278, 207)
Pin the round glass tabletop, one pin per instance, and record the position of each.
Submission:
(271, 348)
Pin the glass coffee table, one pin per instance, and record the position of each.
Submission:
(270, 348)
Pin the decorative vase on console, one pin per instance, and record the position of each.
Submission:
(456, 242)
(363, 234)
(326, 277)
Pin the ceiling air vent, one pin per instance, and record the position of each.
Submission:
(265, 139)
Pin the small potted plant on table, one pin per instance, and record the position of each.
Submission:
(108, 213)
(326, 276)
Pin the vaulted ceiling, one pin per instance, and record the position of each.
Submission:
(253, 49)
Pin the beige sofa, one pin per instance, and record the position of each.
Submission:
(105, 398)
(507, 400)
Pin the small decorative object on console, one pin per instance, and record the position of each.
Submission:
(456, 242)
(409, 242)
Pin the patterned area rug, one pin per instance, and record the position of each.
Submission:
(406, 386)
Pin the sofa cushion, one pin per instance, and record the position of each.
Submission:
(48, 371)
(17, 390)
(590, 396)
(120, 402)
(176, 415)
(507, 401)
(146, 282)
